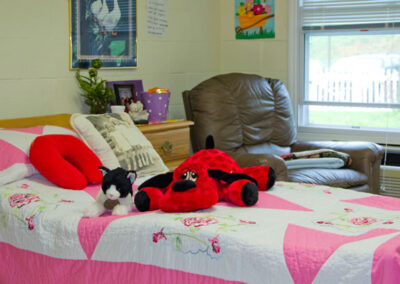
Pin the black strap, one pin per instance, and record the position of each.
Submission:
(158, 181)
(229, 177)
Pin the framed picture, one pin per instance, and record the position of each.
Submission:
(126, 91)
(104, 29)
(125, 94)
(254, 19)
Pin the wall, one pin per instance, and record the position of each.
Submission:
(266, 57)
(34, 54)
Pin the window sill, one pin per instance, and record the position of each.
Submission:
(314, 133)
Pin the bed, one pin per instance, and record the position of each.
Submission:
(296, 233)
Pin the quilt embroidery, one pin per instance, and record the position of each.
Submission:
(19, 200)
(192, 240)
(351, 220)
(26, 206)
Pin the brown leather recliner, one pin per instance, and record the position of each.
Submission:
(251, 118)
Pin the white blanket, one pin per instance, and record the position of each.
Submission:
(326, 163)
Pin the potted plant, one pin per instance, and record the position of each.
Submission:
(97, 95)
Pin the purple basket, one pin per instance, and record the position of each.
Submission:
(156, 105)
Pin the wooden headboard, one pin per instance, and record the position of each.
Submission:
(56, 119)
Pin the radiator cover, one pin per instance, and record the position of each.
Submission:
(390, 181)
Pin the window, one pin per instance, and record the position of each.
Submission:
(350, 54)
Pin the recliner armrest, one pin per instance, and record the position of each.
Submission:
(275, 162)
(366, 156)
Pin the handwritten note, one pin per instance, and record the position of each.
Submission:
(157, 22)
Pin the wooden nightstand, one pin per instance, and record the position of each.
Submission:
(171, 140)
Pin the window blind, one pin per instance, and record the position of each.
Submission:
(328, 14)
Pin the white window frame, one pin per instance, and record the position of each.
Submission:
(296, 88)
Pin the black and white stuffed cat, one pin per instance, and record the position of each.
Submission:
(115, 194)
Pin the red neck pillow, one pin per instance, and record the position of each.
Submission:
(65, 161)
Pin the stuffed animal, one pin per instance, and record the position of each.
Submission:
(138, 114)
(115, 194)
(201, 181)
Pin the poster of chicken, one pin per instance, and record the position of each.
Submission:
(104, 29)
(254, 19)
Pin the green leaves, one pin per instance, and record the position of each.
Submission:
(96, 63)
(3, 220)
(97, 95)
(92, 72)
(193, 229)
(178, 243)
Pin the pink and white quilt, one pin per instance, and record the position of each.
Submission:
(296, 233)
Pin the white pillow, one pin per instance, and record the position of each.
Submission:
(328, 163)
(14, 150)
(117, 142)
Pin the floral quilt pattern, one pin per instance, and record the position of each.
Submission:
(296, 233)
(191, 241)
(31, 201)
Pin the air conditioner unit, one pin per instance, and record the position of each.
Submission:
(390, 181)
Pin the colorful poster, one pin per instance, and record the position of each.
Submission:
(254, 19)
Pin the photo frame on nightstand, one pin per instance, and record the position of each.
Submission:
(124, 91)
(125, 94)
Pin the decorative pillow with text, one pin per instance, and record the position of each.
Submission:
(117, 142)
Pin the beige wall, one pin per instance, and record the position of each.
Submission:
(266, 57)
(34, 75)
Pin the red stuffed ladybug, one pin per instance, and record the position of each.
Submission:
(201, 181)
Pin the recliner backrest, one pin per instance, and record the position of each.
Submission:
(244, 113)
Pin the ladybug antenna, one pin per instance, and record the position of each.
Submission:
(210, 142)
